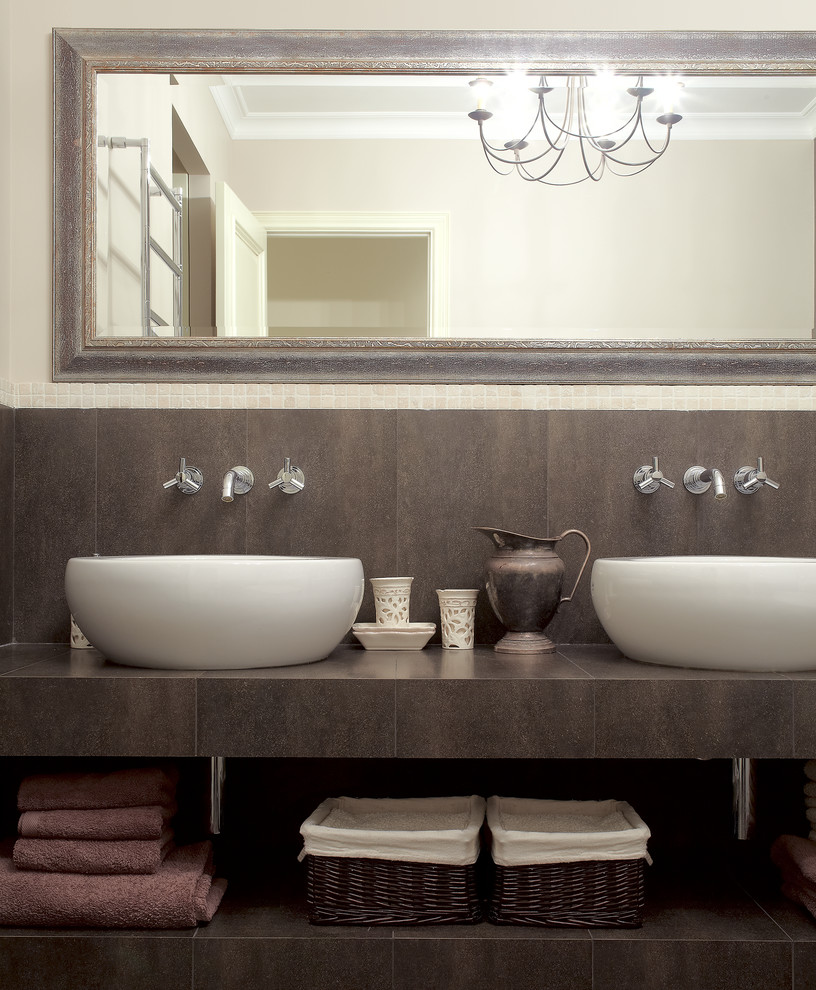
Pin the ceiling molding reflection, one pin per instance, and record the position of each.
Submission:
(372, 107)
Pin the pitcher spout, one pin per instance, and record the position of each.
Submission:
(503, 539)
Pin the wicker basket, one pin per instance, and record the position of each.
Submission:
(573, 878)
(387, 875)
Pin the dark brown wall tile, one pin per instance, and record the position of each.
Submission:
(293, 964)
(348, 507)
(138, 451)
(32, 962)
(6, 524)
(494, 718)
(592, 458)
(669, 965)
(489, 963)
(54, 515)
(458, 470)
(804, 711)
(299, 717)
(685, 718)
(776, 523)
(804, 966)
(97, 716)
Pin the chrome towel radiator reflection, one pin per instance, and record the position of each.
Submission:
(743, 780)
(218, 776)
(152, 184)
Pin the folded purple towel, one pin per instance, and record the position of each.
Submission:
(97, 823)
(119, 789)
(92, 855)
(796, 858)
(180, 895)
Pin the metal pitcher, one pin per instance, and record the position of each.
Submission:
(524, 576)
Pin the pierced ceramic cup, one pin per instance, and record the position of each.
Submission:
(392, 598)
(457, 607)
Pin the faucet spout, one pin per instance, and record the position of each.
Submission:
(228, 487)
(714, 475)
(237, 481)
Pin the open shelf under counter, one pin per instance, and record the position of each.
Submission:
(702, 928)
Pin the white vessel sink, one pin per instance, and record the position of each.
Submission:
(725, 613)
(214, 612)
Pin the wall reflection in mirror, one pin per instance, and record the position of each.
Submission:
(291, 206)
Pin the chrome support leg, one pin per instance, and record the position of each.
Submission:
(743, 779)
(218, 774)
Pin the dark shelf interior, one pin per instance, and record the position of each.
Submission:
(714, 914)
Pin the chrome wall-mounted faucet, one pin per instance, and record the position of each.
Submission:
(749, 480)
(699, 479)
(188, 480)
(648, 479)
(237, 481)
(290, 479)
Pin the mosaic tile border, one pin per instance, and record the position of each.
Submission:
(47, 395)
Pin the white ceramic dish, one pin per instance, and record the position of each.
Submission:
(411, 636)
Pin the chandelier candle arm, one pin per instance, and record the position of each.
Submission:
(598, 147)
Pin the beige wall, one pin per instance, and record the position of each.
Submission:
(5, 190)
(205, 126)
(714, 241)
(29, 138)
(347, 286)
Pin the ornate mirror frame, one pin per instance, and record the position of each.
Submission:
(80, 356)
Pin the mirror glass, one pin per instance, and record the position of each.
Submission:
(320, 205)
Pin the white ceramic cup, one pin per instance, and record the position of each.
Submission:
(457, 607)
(392, 599)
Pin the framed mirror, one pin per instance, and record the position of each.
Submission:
(613, 281)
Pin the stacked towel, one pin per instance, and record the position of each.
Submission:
(96, 823)
(180, 895)
(97, 849)
(119, 789)
(796, 859)
(93, 855)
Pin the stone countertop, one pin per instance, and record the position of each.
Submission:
(585, 701)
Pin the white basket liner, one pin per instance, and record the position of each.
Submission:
(404, 837)
(514, 847)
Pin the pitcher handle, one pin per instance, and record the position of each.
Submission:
(585, 538)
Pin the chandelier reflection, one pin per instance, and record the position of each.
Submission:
(584, 139)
